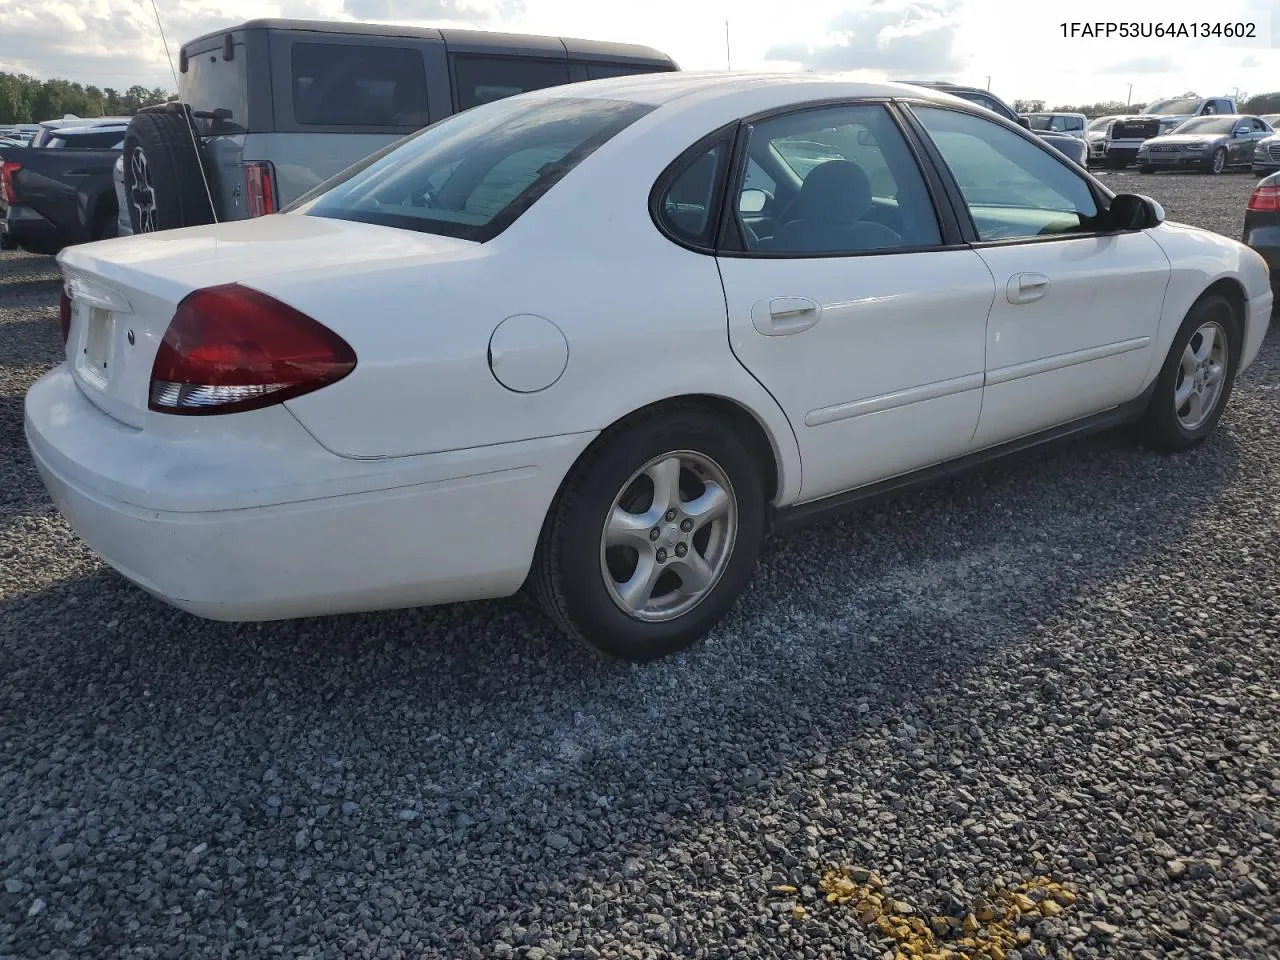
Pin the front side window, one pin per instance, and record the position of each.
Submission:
(475, 173)
(851, 185)
(353, 85)
(485, 79)
(1012, 186)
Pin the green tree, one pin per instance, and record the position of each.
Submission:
(1028, 106)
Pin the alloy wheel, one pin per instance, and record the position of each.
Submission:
(1201, 375)
(143, 193)
(669, 535)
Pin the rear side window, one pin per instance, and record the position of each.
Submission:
(473, 174)
(688, 207)
(485, 79)
(602, 71)
(351, 85)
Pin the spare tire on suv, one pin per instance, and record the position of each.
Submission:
(163, 180)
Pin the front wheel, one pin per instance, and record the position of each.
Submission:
(1196, 380)
(1146, 168)
(653, 536)
(1218, 162)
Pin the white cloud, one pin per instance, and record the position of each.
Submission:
(896, 37)
(115, 42)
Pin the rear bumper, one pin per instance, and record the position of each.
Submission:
(1258, 321)
(25, 228)
(354, 536)
(1265, 240)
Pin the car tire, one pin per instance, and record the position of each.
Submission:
(163, 175)
(1146, 168)
(632, 598)
(1172, 424)
(1218, 162)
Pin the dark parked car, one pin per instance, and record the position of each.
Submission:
(1213, 144)
(1262, 224)
(59, 195)
(1266, 154)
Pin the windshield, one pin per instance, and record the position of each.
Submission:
(1100, 123)
(473, 174)
(1207, 125)
(1179, 105)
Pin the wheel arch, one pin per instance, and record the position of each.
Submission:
(762, 443)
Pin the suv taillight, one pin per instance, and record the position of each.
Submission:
(259, 188)
(64, 315)
(7, 169)
(230, 348)
(1265, 198)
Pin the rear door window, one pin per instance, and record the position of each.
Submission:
(480, 80)
(349, 85)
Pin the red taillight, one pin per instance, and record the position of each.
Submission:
(230, 349)
(7, 169)
(259, 188)
(64, 315)
(1266, 198)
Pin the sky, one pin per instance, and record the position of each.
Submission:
(1017, 49)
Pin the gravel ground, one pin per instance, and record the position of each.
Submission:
(1068, 666)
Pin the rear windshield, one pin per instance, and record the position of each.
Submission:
(98, 140)
(473, 174)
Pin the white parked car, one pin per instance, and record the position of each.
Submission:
(603, 338)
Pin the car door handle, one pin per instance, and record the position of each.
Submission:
(781, 316)
(1027, 287)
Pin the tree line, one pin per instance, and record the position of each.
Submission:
(25, 99)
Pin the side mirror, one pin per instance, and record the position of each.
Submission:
(1024, 123)
(1243, 131)
(1131, 211)
(752, 201)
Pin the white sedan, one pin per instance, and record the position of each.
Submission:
(603, 338)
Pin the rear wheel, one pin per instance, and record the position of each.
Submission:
(1146, 168)
(1196, 380)
(654, 535)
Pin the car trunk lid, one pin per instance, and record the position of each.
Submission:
(124, 292)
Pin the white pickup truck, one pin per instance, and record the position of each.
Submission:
(1126, 134)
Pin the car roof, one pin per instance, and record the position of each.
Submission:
(660, 88)
(452, 37)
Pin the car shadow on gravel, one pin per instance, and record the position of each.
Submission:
(942, 577)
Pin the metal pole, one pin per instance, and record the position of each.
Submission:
(728, 62)
(1129, 103)
(988, 83)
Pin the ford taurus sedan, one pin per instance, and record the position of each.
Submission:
(1214, 144)
(602, 339)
